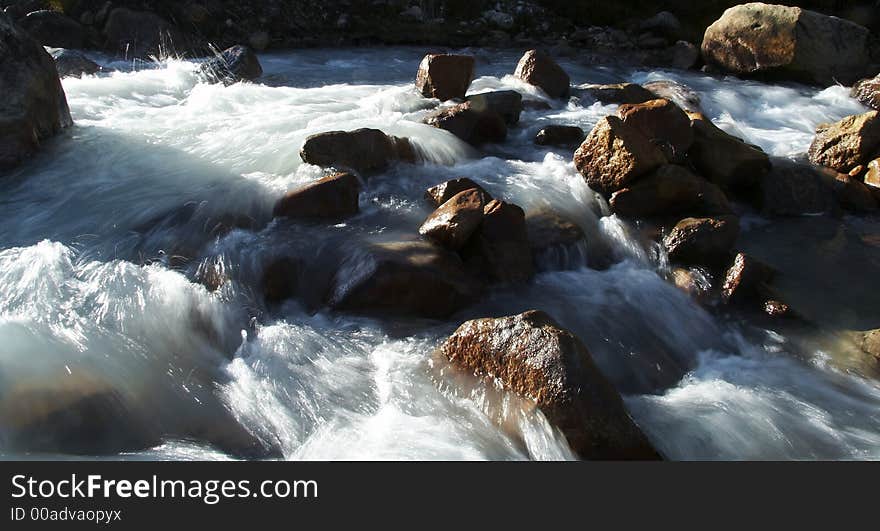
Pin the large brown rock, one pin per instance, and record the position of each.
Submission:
(867, 91)
(618, 93)
(848, 143)
(746, 279)
(547, 229)
(33, 106)
(499, 249)
(725, 159)
(614, 154)
(531, 355)
(445, 76)
(333, 197)
(702, 241)
(362, 150)
(663, 122)
(539, 69)
(670, 190)
(453, 223)
(443, 192)
(403, 278)
(470, 124)
(787, 42)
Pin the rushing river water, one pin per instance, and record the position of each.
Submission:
(94, 297)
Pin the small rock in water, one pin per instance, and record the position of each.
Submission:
(453, 223)
(848, 143)
(702, 241)
(238, 63)
(547, 229)
(499, 248)
(682, 95)
(560, 136)
(507, 103)
(445, 76)
(334, 197)
(443, 192)
(361, 150)
(867, 91)
(539, 69)
(618, 93)
(746, 279)
(73, 63)
(476, 127)
(614, 154)
(532, 356)
(775, 308)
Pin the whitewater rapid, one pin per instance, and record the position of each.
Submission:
(104, 235)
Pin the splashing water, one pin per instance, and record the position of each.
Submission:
(103, 238)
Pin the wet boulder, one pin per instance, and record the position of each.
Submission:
(539, 69)
(872, 178)
(569, 136)
(499, 250)
(334, 197)
(54, 29)
(33, 106)
(548, 230)
(362, 150)
(281, 279)
(445, 76)
(453, 223)
(615, 154)
(787, 42)
(851, 142)
(474, 126)
(745, 280)
(617, 93)
(403, 278)
(507, 103)
(531, 355)
(443, 192)
(663, 122)
(73, 63)
(853, 195)
(724, 159)
(670, 190)
(238, 63)
(867, 91)
(702, 241)
(871, 343)
(794, 189)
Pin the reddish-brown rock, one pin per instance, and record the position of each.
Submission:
(332, 197)
(500, 249)
(539, 69)
(618, 93)
(867, 91)
(474, 126)
(848, 143)
(670, 190)
(663, 122)
(445, 76)
(361, 150)
(453, 223)
(531, 355)
(702, 241)
(725, 159)
(745, 279)
(443, 192)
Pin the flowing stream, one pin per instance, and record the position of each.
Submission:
(104, 235)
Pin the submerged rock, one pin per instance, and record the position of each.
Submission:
(867, 91)
(725, 159)
(614, 154)
(361, 150)
(663, 122)
(539, 69)
(51, 28)
(618, 93)
(787, 42)
(670, 190)
(702, 241)
(333, 197)
(547, 230)
(443, 192)
(73, 63)
(507, 103)
(560, 136)
(281, 279)
(453, 223)
(532, 356)
(794, 189)
(685, 97)
(445, 76)
(406, 279)
(238, 63)
(474, 126)
(843, 145)
(33, 106)
(745, 280)
(499, 249)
